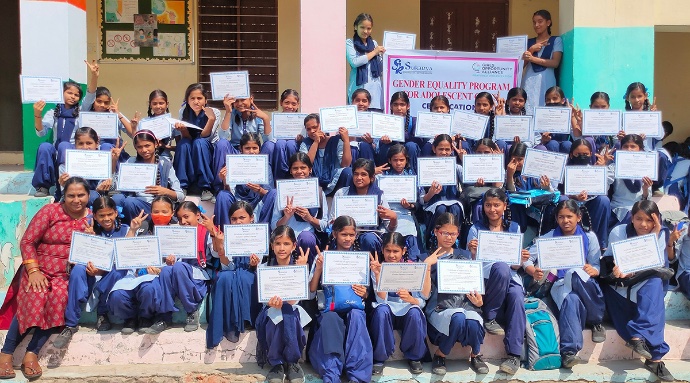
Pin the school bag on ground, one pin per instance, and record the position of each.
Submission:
(542, 351)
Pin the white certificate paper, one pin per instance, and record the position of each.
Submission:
(364, 124)
(345, 268)
(561, 253)
(178, 241)
(401, 276)
(159, 125)
(544, 163)
(439, 169)
(593, 179)
(287, 126)
(104, 123)
(637, 165)
(459, 276)
(87, 248)
(235, 84)
(137, 252)
(338, 117)
(287, 282)
(552, 119)
(136, 177)
(490, 167)
(397, 40)
(469, 125)
(508, 127)
(88, 164)
(245, 240)
(304, 192)
(601, 122)
(429, 125)
(361, 208)
(647, 123)
(388, 125)
(499, 247)
(174, 121)
(637, 254)
(246, 168)
(397, 188)
(37, 88)
(512, 45)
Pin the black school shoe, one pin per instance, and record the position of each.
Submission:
(510, 365)
(130, 326)
(639, 346)
(62, 340)
(276, 375)
(569, 359)
(478, 365)
(415, 367)
(659, 369)
(103, 323)
(294, 373)
(438, 365)
(377, 369)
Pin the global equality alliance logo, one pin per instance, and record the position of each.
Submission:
(491, 68)
(400, 67)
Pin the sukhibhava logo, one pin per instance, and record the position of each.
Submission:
(492, 69)
(399, 67)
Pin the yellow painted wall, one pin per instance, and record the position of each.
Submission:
(520, 15)
(288, 45)
(671, 12)
(671, 83)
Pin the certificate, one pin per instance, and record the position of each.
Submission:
(245, 240)
(160, 126)
(601, 122)
(87, 248)
(174, 121)
(234, 84)
(287, 126)
(508, 127)
(246, 169)
(401, 276)
(137, 252)
(287, 282)
(637, 254)
(494, 246)
(561, 253)
(104, 123)
(136, 177)
(486, 166)
(362, 208)
(388, 125)
(178, 241)
(429, 125)
(364, 124)
(397, 188)
(469, 125)
(39, 88)
(552, 119)
(304, 192)
(459, 276)
(637, 165)
(439, 169)
(338, 117)
(345, 268)
(397, 40)
(647, 123)
(88, 164)
(543, 163)
(593, 179)
(512, 45)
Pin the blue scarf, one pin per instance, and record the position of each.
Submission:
(548, 49)
(373, 190)
(557, 232)
(64, 124)
(199, 120)
(375, 64)
(406, 172)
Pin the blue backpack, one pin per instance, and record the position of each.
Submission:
(542, 341)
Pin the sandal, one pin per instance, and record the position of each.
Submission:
(7, 370)
(31, 369)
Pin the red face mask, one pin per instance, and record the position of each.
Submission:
(161, 219)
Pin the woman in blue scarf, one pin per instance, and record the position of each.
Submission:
(364, 56)
(542, 57)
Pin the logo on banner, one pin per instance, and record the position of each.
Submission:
(491, 69)
(399, 67)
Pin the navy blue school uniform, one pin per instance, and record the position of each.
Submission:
(327, 164)
(578, 297)
(488, 133)
(193, 160)
(83, 287)
(682, 251)
(446, 201)
(504, 296)
(411, 144)
(263, 205)
(521, 213)
(280, 163)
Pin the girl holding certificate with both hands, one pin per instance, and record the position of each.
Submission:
(452, 317)
(577, 294)
(400, 106)
(261, 197)
(158, 106)
(364, 146)
(484, 104)
(636, 305)
(285, 149)
(341, 343)
(504, 292)
(365, 58)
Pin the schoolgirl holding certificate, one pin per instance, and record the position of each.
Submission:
(401, 310)
(158, 106)
(341, 343)
(453, 318)
(365, 58)
(232, 300)
(575, 291)
(285, 149)
(637, 100)
(261, 197)
(503, 300)
(363, 146)
(484, 104)
(400, 106)
(636, 305)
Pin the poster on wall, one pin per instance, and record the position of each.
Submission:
(170, 45)
(146, 30)
(120, 11)
(168, 11)
(120, 43)
(459, 76)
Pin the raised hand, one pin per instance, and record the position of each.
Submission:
(303, 257)
(289, 210)
(136, 222)
(228, 102)
(38, 108)
(88, 229)
(375, 265)
(207, 223)
(605, 158)
(94, 69)
(382, 168)
(114, 106)
(116, 150)
(653, 107)
(254, 260)
(258, 112)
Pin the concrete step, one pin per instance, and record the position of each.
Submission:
(16, 182)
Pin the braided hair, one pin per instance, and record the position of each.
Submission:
(401, 95)
(105, 202)
(500, 194)
(636, 86)
(395, 239)
(75, 110)
(148, 136)
(577, 209)
(155, 94)
(283, 231)
(442, 220)
(492, 113)
(339, 224)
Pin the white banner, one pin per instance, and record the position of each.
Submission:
(457, 75)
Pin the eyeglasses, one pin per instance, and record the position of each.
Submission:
(448, 234)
